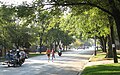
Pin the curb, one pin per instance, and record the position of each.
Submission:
(91, 58)
(79, 73)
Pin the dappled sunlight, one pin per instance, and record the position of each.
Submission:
(30, 61)
(5, 70)
(70, 63)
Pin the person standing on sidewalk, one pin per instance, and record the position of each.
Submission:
(48, 54)
(53, 54)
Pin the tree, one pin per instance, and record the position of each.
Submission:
(6, 14)
(110, 6)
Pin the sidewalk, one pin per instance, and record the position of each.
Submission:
(99, 62)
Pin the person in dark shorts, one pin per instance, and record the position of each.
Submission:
(48, 53)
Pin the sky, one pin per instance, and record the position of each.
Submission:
(16, 2)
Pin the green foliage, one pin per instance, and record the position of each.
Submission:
(30, 23)
(78, 43)
(14, 31)
(95, 23)
(24, 10)
(92, 23)
(6, 14)
(108, 69)
(56, 35)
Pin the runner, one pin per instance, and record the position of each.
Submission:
(48, 53)
(53, 54)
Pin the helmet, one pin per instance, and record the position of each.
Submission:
(17, 50)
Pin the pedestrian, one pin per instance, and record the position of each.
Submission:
(48, 54)
(53, 54)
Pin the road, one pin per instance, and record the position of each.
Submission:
(70, 63)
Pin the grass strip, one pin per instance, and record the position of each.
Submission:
(108, 69)
(35, 54)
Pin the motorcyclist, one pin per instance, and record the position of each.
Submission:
(9, 55)
(60, 52)
(18, 54)
(23, 55)
(15, 59)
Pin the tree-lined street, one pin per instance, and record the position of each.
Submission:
(70, 63)
(39, 26)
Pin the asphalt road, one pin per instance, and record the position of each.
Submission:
(70, 63)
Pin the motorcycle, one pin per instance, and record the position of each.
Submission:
(13, 60)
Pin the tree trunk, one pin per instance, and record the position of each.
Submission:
(95, 47)
(117, 21)
(56, 46)
(113, 40)
(17, 45)
(103, 43)
(66, 47)
(114, 47)
(41, 36)
(109, 52)
(116, 16)
(40, 44)
(51, 46)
